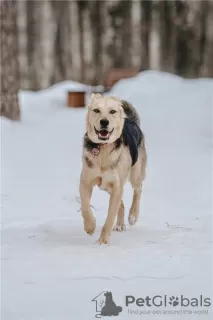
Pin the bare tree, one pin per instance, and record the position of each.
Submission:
(188, 31)
(121, 25)
(167, 34)
(97, 32)
(146, 25)
(61, 39)
(81, 7)
(207, 40)
(9, 60)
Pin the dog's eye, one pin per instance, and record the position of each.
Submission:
(112, 111)
(96, 110)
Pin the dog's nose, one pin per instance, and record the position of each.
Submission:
(104, 123)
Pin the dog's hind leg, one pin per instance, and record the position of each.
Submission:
(134, 210)
(120, 226)
(137, 176)
(85, 194)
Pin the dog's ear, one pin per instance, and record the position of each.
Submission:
(123, 114)
(94, 96)
(114, 98)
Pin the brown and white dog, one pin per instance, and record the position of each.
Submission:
(114, 150)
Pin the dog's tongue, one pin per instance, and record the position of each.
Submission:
(104, 133)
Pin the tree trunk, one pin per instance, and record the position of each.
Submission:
(34, 14)
(127, 34)
(9, 71)
(207, 62)
(61, 40)
(190, 38)
(81, 5)
(146, 22)
(97, 33)
(119, 50)
(167, 35)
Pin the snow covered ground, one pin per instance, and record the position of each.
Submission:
(51, 269)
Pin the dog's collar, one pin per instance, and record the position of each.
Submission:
(96, 150)
(96, 147)
(92, 146)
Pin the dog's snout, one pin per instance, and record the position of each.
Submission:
(104, 123)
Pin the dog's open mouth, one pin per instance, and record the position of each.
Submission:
(103, 134)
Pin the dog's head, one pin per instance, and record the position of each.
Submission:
(105, 119)
(108, 295)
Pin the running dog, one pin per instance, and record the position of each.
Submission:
(113, 152)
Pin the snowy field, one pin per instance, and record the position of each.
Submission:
(51, 269)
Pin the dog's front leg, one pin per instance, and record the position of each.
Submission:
(86, 187)
(114, 204)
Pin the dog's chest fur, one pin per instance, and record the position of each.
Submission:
(108, 165)
(106, 159)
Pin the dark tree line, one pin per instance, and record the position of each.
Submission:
(81, 40)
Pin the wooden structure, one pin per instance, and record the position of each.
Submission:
(76, 99)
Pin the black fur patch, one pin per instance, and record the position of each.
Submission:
(130, 112)
(132, 136)
(88, 144)
(118, 143)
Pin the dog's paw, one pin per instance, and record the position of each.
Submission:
(132, 218)
(119, 228)
(89, 226)
(104, 237)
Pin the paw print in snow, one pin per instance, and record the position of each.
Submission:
(173, 301)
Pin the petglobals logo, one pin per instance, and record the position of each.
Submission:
(105, 305)
(167, 301)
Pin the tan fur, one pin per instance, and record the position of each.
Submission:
(110, 169)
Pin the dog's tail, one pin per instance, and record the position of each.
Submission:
(130, 112)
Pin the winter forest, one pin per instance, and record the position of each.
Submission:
(82, 40)
(50, 41)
